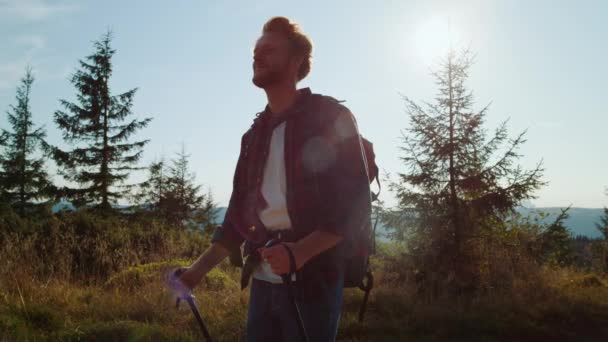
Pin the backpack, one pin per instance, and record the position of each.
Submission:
(357, 269)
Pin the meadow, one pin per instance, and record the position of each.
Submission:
(119, 292)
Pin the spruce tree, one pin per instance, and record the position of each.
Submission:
(459, 180)
(170, 192)
(600, 248)
(152, 192)
(182, 202)
(98, 127)
(602, 226)
(24, 180)
(183, 197)
(556, 242)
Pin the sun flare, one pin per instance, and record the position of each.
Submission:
(432, 39)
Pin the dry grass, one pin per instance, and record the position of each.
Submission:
(135, 305)
(71, 278)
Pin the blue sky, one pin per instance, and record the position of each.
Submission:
(542, 64)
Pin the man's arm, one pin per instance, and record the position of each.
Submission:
(305, 249)
(345, 196)
(208, 260)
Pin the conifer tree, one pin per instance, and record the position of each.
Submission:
(23, 178)
(183, 197)
(602, 226)
(556, 241)
(152, 191)
(459, 180)
(170, 192)
(98, 127)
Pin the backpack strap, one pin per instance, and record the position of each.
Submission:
(367, 287)
(376, 194)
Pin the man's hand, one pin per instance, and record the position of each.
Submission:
(187, 277)
(305, 249)
(191, 276)
(278, 258)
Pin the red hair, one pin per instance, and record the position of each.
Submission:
(300, 44)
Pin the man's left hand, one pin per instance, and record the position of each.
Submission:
(278, 258)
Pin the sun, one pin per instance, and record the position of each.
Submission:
(432, 38)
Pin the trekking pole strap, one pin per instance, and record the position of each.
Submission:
(292, 263)
(291, 292)
(367, 288)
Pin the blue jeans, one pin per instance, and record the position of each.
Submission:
(272, 315)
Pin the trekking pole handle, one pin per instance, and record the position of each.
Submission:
(292, 259)
(183, 292)
(290, 287)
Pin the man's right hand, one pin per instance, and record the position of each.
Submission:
(191, 276)
(187, 276)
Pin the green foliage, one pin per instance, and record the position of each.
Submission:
(135, 277)
(556, 246)
(102, 156)
(170, 192)
(87, 246)
(458, 185)
(123, 331)
(602, 226)
(23, 179)
(217, 280)
(599, 252)
(562, 304)
(183, 197)
(151, 192)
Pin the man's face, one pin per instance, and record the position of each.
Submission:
(272, 62)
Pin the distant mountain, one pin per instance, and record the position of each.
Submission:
(68, 206)
(63, 205)
(219, 214)
(581, 221)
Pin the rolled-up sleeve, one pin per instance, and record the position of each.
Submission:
(228, 237)
(226, 233)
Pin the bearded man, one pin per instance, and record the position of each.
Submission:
(300, 179)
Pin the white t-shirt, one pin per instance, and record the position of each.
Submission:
(274, 189)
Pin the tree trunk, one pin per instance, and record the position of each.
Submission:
(105, 203)
(456, 251)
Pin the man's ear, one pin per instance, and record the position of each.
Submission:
(296, 62)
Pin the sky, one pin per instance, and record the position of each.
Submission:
(541, 64)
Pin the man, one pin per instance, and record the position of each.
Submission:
(301, 178)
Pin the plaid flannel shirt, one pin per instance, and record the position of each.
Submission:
(327, 183)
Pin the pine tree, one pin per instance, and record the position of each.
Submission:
(556, 242)
(169, 192)
(457, 183)
(183, 197)
(152, 191)
(23, 178)
(602, 226)
(95, 126)
(205, 217)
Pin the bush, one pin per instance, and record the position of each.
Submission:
(89, 247)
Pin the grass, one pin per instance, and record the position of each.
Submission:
(134, 305)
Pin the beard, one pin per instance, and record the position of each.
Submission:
(269, 76)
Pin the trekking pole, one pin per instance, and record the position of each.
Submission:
(291, 287)
(183, 292)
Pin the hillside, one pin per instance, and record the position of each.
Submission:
(581, 221)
